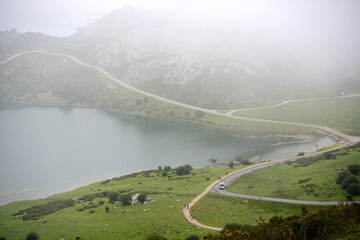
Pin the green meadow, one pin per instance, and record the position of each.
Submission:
(163, 212)
(342, 114)
(215, 210)
(303, 179)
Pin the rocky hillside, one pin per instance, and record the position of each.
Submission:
(224, 62)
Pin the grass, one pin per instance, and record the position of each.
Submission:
(342, 114)
(312, 182)
(215, 210)
(69, 223)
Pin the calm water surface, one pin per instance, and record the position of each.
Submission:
(47, 150)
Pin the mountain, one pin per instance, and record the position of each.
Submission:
(225, 61)
(13, 42)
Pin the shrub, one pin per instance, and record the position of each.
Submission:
(183, 170)
(342, 176)
(230, 226)
(154, 236)
(192, 237)
(2, 238)
(354, 169)
(32, 236)
(125, 199)
(304, 180)
(349, 180)
(167, 168)
(91, 211)
(38, 211)
(164, 173)
(113, 197)
(353, 189)
(142, 197)
(301, 153)
(231, 164)
(242, 161)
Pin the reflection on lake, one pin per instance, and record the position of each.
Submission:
(44, 150)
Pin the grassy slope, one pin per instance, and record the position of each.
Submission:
(215, 210)
(70, 223)
(335, 113)
(283, 180)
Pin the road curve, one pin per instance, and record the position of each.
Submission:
(228, 179)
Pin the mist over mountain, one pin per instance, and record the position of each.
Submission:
(223, 58)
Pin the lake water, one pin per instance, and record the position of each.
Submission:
(46, 150)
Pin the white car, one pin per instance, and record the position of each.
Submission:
(222, 186)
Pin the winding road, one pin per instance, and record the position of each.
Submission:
(232, 176)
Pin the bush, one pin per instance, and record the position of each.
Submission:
(113, 197)
(230, 226)
(125, 199)
(164, 173)
(192, 237)
(231, 164)
(142, 197)
(154, 236)
(342, 176)
(349, 180)
(242, 161)
(38, 211)
(354, 169)
(301, 153)
(183, 170)
(167, 168)
(353, 189)
(2, 238)
(32, 236)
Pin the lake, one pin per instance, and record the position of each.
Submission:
(48, 149)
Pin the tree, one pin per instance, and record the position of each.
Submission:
(354, 169)
(183, 170)
(213, 161)
(125, 199)
(164, 173)
(142, 197)
(242, 161)
(32, 236)
(353, 189)
(231, 164)
(107, 209)
(167, 168)
(113, 197)
(341, 176)
(159, 167)
(349, 180)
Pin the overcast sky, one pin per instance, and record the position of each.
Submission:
(328, 18)
(62, 17)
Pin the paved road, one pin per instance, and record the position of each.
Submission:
(289, 101)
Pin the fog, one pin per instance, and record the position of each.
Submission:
(307, 43)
